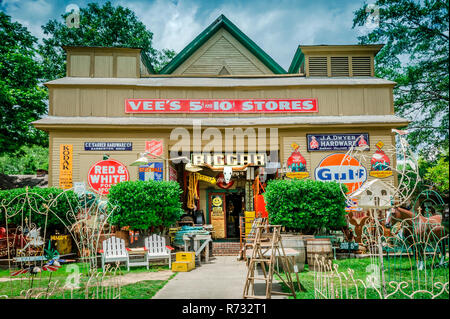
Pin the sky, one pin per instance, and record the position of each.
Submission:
(278, 27)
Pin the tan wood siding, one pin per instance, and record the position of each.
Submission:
(110, 101)
(222, 50)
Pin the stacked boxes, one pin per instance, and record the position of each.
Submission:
(185, 261)
(249, 218)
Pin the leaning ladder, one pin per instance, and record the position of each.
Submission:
(265, 253)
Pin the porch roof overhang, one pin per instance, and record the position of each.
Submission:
(58, 122)
(222, 82)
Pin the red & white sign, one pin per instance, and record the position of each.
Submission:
(104, 174)
(221, 106)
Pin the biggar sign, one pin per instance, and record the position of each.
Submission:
(102, 175)
(221, 106)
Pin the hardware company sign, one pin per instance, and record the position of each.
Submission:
(104, 174)
(108, 146)
(336, 142)
(342, 169)
(221, 106)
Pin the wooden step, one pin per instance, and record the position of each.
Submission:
(255, 297)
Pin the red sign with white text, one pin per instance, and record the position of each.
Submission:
(104, 174)
(221, 106)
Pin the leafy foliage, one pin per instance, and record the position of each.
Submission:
(24, 161)
(36, 203)
(305, 204)
(433, 174)
(145, 204)
(416, 56)
(104, 26)
(438, 174)
(22, 100)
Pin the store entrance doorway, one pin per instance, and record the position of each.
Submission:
(224, 211)
(234, 210)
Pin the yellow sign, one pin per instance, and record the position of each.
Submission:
(65, 165)
(380, 144)
(207, 179)
(58, 237)
(298, 175)
(380, 174)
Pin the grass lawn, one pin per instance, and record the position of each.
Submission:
(140, 290)
(359, 266)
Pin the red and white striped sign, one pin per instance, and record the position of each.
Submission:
(154, 147)
(221, 106)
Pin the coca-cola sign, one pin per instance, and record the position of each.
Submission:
(221, 106)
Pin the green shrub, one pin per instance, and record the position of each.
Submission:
(305, 205)
(61, 205)
(24, 161)
(145, 204)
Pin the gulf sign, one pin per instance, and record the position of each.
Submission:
(341, 168)
(221, 106)
(104, 174)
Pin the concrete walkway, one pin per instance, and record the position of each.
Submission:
(222, 278)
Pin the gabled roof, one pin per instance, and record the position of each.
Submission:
(297, 61)
(222, 22)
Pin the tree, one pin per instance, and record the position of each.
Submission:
(25, 161)
(22, 100)
(415, 55)
(438, 174)
(105, 26)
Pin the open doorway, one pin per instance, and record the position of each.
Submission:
(234, 209)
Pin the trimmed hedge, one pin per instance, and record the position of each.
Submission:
(145, 204)
(14, 200)
(306, 205)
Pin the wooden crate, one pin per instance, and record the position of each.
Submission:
(188, 256)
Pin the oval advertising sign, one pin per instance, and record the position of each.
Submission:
(103, 174)
(343, 169)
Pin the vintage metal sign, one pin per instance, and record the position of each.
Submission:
(104, 174)
(154, 147)
(172, 173)
(206, 178)
(380, 163)
(341, 168)
(65, 166)
(296, 164)
(221, 106)
(151, 172)
(336, 142)
(229, 159)
(108, 146)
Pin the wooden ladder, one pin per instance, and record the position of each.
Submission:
(265, 253)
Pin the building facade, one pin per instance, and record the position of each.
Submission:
(221, 102)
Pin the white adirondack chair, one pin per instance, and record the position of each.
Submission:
(156, 248)
(114, 250)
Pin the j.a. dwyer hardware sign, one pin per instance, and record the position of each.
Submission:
(336, 142)
(221, 106)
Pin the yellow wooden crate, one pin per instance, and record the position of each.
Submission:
(185, 256)
(188, 256)
(181, 266)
